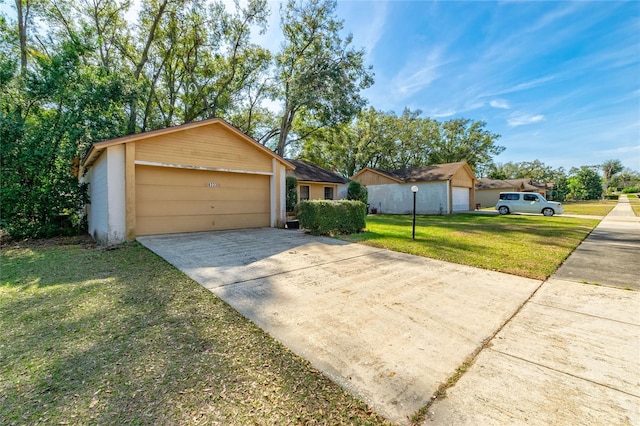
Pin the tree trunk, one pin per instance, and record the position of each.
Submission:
(285, 127)
(23, 18)
(133, 113)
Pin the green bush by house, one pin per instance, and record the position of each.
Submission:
(611, 196)
(292, 193)
(357, 191)
(327, 217)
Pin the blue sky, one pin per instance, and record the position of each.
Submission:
(560, 81)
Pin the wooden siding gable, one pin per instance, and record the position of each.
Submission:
(210, 146)
(463, 177)
(241, 144)
(369, 176)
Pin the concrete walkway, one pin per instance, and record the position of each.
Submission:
(571, 355)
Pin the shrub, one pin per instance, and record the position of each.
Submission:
(292, 193)
(631, 190)
(358, 192)
(328, 217)
(611, 196)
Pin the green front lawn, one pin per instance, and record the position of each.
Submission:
(529, 246)
(590, 208)
(94, 336)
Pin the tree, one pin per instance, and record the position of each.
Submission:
(387, 141)
(585, 183)
(611, 168)
(47, 121)
(536, 170)
(627, 178)
(465, 140)
(358, 192)
(317, 71)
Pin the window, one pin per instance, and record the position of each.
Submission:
(511, 197)
(530, 197)
(304, 192)
(328, 193)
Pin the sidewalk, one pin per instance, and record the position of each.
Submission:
(611, 253)
(571, 355)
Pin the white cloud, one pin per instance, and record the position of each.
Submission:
(525, 86)
(499, 103)
(367, 29)
(443, 113)
(418, 73)
(524, 119)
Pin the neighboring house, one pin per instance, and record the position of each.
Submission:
(316, 183)
(488, 190)
(442, 189)
(200, 176)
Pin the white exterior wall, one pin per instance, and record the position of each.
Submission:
(107, 213)
(97, 209)
(432, 198)
(278, 184)
(342, 191)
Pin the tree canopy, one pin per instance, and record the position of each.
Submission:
(388, 141)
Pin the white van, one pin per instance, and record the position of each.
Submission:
(527, 202)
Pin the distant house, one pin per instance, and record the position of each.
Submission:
(316, 183)
(442, 189)
(488, 190)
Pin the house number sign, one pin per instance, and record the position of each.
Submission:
(212, 185)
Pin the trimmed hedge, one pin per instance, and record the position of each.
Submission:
(328, 217)
(611, 196)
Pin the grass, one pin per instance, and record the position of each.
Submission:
(589, 208)
(634, 201)
(95, 336)
(528, 246)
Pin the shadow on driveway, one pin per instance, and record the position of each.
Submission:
(389, 327)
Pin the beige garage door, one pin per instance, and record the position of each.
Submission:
(170, 200)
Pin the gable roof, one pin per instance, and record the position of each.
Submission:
(435, 172)
(522, 184)
(310, 172)
(97, 147)
(486, 183)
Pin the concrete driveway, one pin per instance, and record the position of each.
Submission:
(389, 327)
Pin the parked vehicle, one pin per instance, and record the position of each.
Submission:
(527, 202)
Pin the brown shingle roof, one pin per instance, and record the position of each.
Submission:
(486, 183)
(435, 172)
(523, 184)
(306, 171)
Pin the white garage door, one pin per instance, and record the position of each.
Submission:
(460, 199)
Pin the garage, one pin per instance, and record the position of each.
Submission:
(202, 176)
(181, 200)
(441, 188)
(460, 197)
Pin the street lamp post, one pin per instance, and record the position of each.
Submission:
(414, 189)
